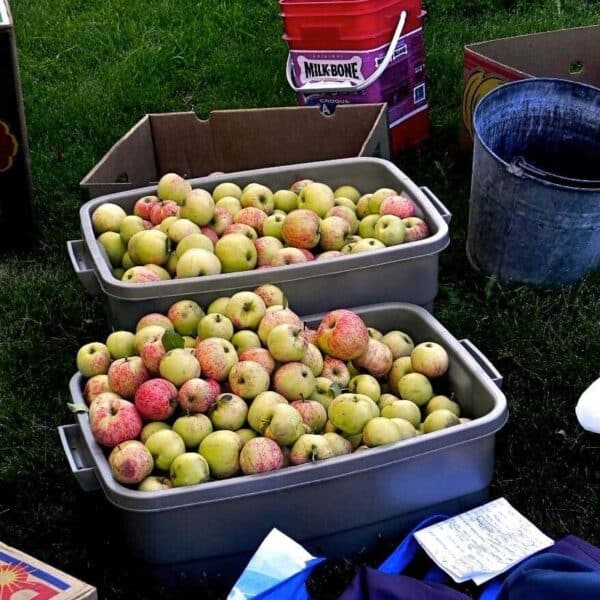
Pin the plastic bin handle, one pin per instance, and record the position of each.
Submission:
(483, 362)
(83, 267)
(70, 438)
(320, 86)
(437, 204)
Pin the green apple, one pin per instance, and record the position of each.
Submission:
(399, 343)
(347, 191)
(334, 233)
(215, 325)
(114, 246)
(178, 365)
(403, 409)
(245, 310)
(165, 445)
(366, 227)
(261, 409)
(149, 246)
(126, 261)
(400, 367)
(228, 412)
(173, 187)
(367, 385)
(121, 344)
(439, 402)
(287, 343)
(390, 230)
(440, 419)
(192, 429)
(163, 274)
(285, 200)
(246, 435)
(221, 449)
(415, 387)
(171, 265)
(155, 483)
(285, 425)
(317, 197)
(345, 213)
(351, 412)
(407, 429)
(248, 379)
(386, 400)
(196, 240)
(151, 428)
(258, 196)
(271, 295)
(130, 225)
(230, 203)
(244, 340)
(375, 333)
(218, 305)
(273, 226)
(118, 272)
(108, 217)
(93, 359)
(147, 334)
(226, 189)
(367, 245)
(430, 359)
(165, 224)
(294, 381)
(198, 206)
(378, 197)
(323, 392)
(309, 448)
(338, 444)
(236, 253)
(180, 229)
(379, 432)
(185, 316)
(197, 262)
(345, 202)
(362, 206)
(313, 359)
(189, 469)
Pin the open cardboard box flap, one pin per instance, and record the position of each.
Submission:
(566, 54)
(236, 140)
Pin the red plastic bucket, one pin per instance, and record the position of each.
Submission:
(392, 71)
(340, 25)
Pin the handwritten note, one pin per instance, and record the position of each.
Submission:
(482, 542)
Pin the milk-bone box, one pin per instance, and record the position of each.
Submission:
(15, 178)
(22, 576)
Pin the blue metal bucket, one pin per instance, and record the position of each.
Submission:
(534, 212)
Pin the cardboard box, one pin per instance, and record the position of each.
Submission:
(15, 175)
(22, 576)
(236, 140)
(572, 54)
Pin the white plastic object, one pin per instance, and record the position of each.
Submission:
(588, 408)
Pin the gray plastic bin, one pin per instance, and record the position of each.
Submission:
(336, 506)
(407, 273)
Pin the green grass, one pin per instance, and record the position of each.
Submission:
(92, 68)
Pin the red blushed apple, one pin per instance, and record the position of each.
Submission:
(216, 357)
(377, 359)
(259, 455)
(163, 210)
(154, 319)
(310, 335)
(130, 462)
(113, 420)
(309, 255)
(266, 250)
(329, 254)
(198, 395)
(336, 370)
(416, 229)
(140, 275)
(210, 233)
(299, 185)
(288, 256)
(242, 228)
(343, 334)
(221, 220)
(156, 399)
(313, 414)
(143, 207)
(277, 317)
(251, 216)
(400, 206)
(301, 229)
(95, 386)
(261, 356)
(125, 376)
(429, 359)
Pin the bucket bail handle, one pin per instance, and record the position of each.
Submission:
(521, 166)
(319, 86)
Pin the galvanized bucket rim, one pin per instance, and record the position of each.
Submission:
(532, 81)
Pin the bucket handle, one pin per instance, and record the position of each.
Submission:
(320, 86)
(519, 165)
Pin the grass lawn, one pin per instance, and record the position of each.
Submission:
(92, 68)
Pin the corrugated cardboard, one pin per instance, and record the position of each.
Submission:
(236, 140)
(572, 54)
(22, 576)
(15, 176)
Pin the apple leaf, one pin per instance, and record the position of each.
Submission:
(172, 340)
(335, 388)
(77, 407)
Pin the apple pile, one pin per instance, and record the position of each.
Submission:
(185, 232)
(246, 387)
